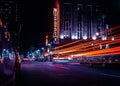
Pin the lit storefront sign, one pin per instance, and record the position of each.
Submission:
(56, 28)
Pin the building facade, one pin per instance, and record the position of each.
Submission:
(10, 21)
(11, 11)
(81, 19)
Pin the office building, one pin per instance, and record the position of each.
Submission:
(78, 19)
(10, 22)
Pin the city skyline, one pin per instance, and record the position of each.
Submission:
(34, 25)
(59, 42)
(41, 22)
(36, 17)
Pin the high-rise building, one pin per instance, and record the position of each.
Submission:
(10, 16)
(79, 19)
(10, 13)
(7, 11)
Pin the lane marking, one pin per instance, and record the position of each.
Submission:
(110, 75)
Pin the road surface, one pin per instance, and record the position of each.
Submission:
(49, 74)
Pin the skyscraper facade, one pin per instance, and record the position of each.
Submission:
(7, 11)
(10, 13)
(81, 19)
(10, 17)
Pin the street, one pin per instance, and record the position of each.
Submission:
(49, 74)
(59, 42)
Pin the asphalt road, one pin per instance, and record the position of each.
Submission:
(48, 74)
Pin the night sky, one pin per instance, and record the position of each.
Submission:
(35, 24)
(35, 21)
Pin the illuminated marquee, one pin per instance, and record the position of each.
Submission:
(56, 28)
(55, 13)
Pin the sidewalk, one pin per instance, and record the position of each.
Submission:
(6, 80)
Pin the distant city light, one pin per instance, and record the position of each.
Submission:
(104, 38)
(94, 37)
(72, 56)
(50, 52)
(84, 37)
(97, 33)
(107, 46)
(73, 37)
(48, 45)
(112, 38)
(0, 22)
(61, 36)
(37, 51)
(100, 46)
(69, 58)
(4, 49)
(92, 44)
(107, 26)
(76, 37)
(43, 47)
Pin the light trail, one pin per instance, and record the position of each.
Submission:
(87, 46)
(67, 44)
(91, 48)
